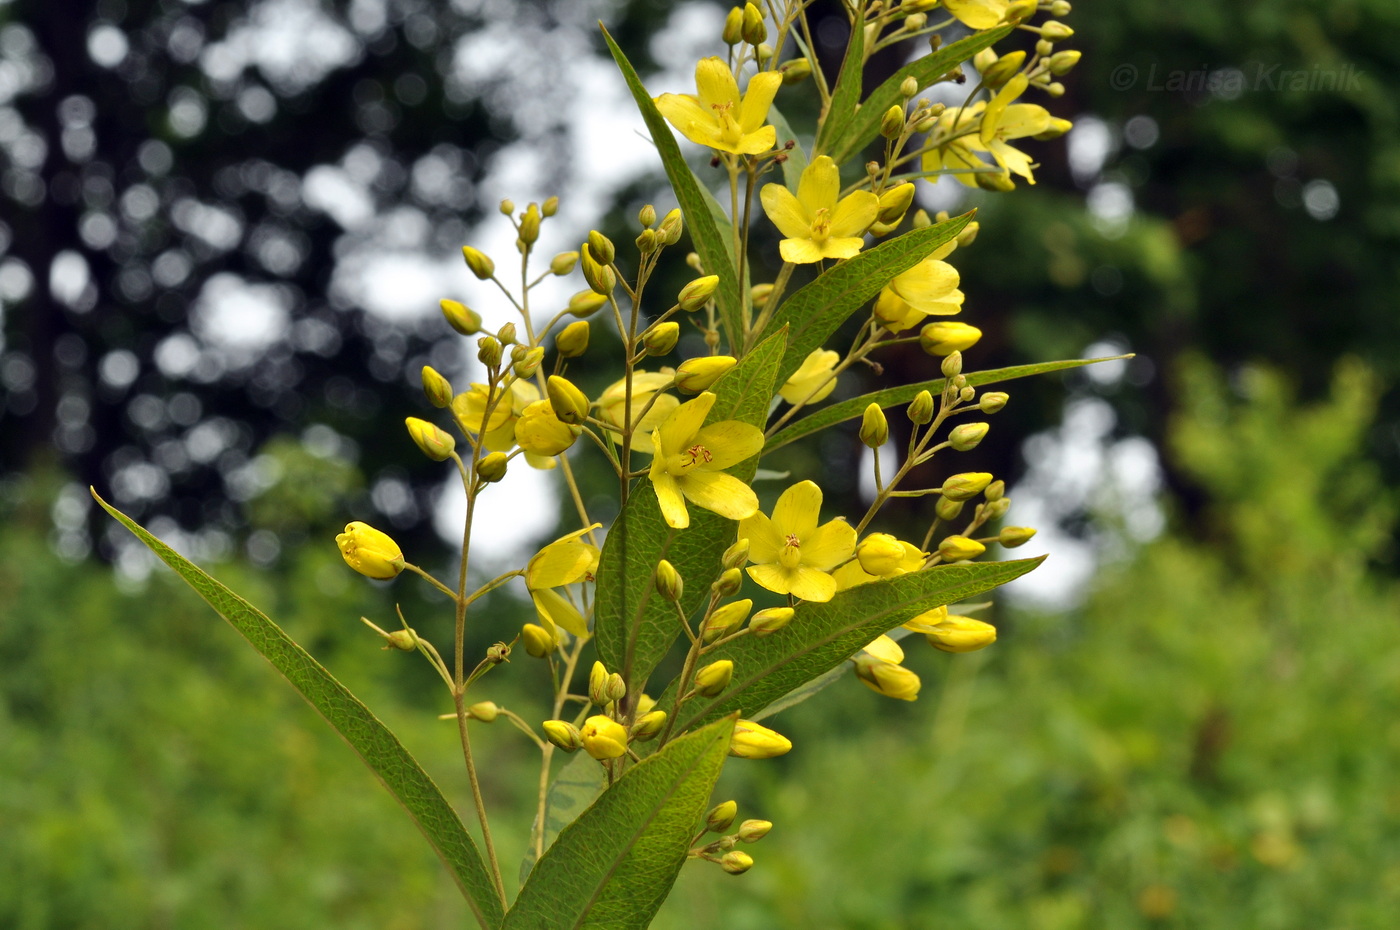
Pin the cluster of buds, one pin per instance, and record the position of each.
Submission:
(721, 851)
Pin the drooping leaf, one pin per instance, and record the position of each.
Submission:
(632, 628)
(613, 866)
(818, 309)
(864, 124)
(709, 244)
(380, 749)
(890, 397)
(822, 636)
(796, 158)
(576, 786)
(845, 96)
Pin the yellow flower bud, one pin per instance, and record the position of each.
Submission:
(645, 704)
(795, 71)
(993, 402)
(721, 816)
(1055, 32)
(550, 206)
(646, 215)
(586, 303)
(769, 621)
(995, 491)
(958, 548)
(506, 334)
(1018, 10)
(952, 365)
(646, 241)
(668, 581)
(661, 338)
(672, 225)
(603, 737)
(892, 122)
(996, 182)
(728, 582)
(539, 431)
(563, 263)
(910, 85)
(436, 388)
(538, 641)
(529, 227)
(1004, 69)
(895, 202)
(714, 678)
(1013, 536)
(488, 351)
(1058, 127)
(598, 684)
(754, 741)
(492, 467)
(725, 618)
(697, 293)
(572, 340)
(996, 509)
(601, 247)
(485, 711)
(874, 428)
(370, 552)
(437, 444)
(569, 403)
(1060, 8)
(945, 337)
(599, 275)
(528, 363)
(736, 862)
(966, 486)
(921, 409)
(697, 374)
(616, 687)
(967, 436)
(733, 32)
(751, 831)
(460, 317)
(507, 207)
(648, 726)
(880, 554)
(563, 734)
(753, 29)
(961, 634)
(1062, 63)
(893, 681)
(948, 509)
(984, 60)
(479, 262)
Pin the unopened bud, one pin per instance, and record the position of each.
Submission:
(996, 509)
(966, 394)
(697, 293)
(984, 60)
(507, 207)
(569, 403)
(736, 862)
(993, 402)
(728, 583)
(759, 294)
(646, 241)
(895, 202)
(461, 317)
(661, 338)
(969, 234)
(1058, 127)
(995, 491)
(403, 640)
(646, 215)
(528, 363)
(599, 275)
(603, 737)
(537, 640)
(880, 554)
(1060, 8)
(966, 486)
(910, 85)
(967, 436)
(1013, 536)
(721, 816)
(961, 634)
(485, 711)
(1062, 63)
(572, 340)
(563, 734)
(733, 32)
(648, 726)
(751, 831)
(434, 442)
(1005, 68)
(586, 303)
(995, 181)
(947, 508)
(1018, 10)
(1055, 32)
(754, 31)
(952, 364)
(697, 374)
(958, 548)
(598, 684)
(617, 688)
(479, 262)
(530, 225)
(492, 466)
(1055, 89)
(796, 71)
(550, 206)
(436, 388)
(714, 678)
(874, 428)
(921, 409)
(725, 618)
(563, 263)
(769, 621)
(668, 581)
(946, 337)
(601, 247)
(488, 351)
(506, 334)
(892, 123)
(671, 227)
(755, 741)
(764, 53)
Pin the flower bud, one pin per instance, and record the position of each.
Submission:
(538, 641)
(507, 334)
(697, 293)
(958, 548)
(984, 60)
(754, 741)
(994, 181)
(550, 206)
(402, 640)
(603, 737)
(488, 351)
(485, 711)
(995, 491)
(967, 393)
(586, 303)
(1058, 127)
(599, 275)
(436, 388)
(952, 364)
(601, 247)
(563, 263)
(1055, 32)
(648, 726)
(437, 444)
(714, 678)
(1060, 8)
(961, 634)
(967, 436)
(1062, 63)
(539, 431)
(563, 734)
(370, 552)
(492, 467)
(874, 428)
(921, 409)
(728, 583)
(993, 402)
(887, 678)
(753, 29)
(616, 687)
(1055, 89)
(913, 23)
(528, 363)
(460, 317)
(769, 621)
(721, 816)
(736, 862)
(672, 225)
(479, 262)
(1018, 10)
(1005, 68)
(996, 509)
(696, 374)
(661, 338)
(795, 71)
(646, 241)
(895, 202)
(569, 403)
(948, 509)
(529, 226)
(668, 581)
(725, 618)
(880, 554)
(969, 234)
(507, 207)
(646, 215)
(751, 831)
(736, 555)
(966, 486)
(892, 122)
(759, 294)
(733, 32)
(909, 86)
(945, 337)
(572, 340)
(1014, 536)
(598, 684)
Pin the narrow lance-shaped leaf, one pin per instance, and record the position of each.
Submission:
(864, 124)
(377, 745)
(614, 866)
(845, 96)
(576, 786)
(633, 628)
(818, 309)
(709, 245)
(889, 397)
(822, 636)
(796, 159)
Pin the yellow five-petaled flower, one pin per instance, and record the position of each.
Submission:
(690, 461)
(794, 555)
(814, 223)
(718, 117)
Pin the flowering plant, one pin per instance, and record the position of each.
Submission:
(693, 549)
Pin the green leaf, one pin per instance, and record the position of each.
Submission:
(380, 749)
(852, 409)
(796, 160)
(864, 124)
(818, 309)
(633, 629)
(822, 636)
(714, 253)
(615, 865)
(845, 96)
(576, 786)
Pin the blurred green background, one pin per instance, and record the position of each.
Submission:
(1203, 733)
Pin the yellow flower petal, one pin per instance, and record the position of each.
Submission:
(854, 214)
(723, 494)
(765, 542)
(979, 14)
(757, 142)
(555, 609)
(1022, 120)
(558, 564)
(998, 104)
(716, 85)
(885, 649)
(692, 120)
(730, 442)
(842, 248)
(797, 509)
(684, 422)
(800, 251)
(829, 545)
(785, 212)
(812, 585)
(929, 282)
(820, 185)
(758, 98)
(771, 576)
(668, 495)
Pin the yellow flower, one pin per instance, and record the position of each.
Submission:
(887, 678)
(794, 555)
(929, 288)
(612, 402)
(978, 14)
(752, 741)
(814, 375)
(996, 122)
(603, 737)
(689, 462)
(718, 117)
(369, 551)
(539, 431)
(498, 430)
(814, 225)
(565, 561)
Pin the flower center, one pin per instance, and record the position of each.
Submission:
(697, 455)
(821, 224)
(791, 556)
(728, 126)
